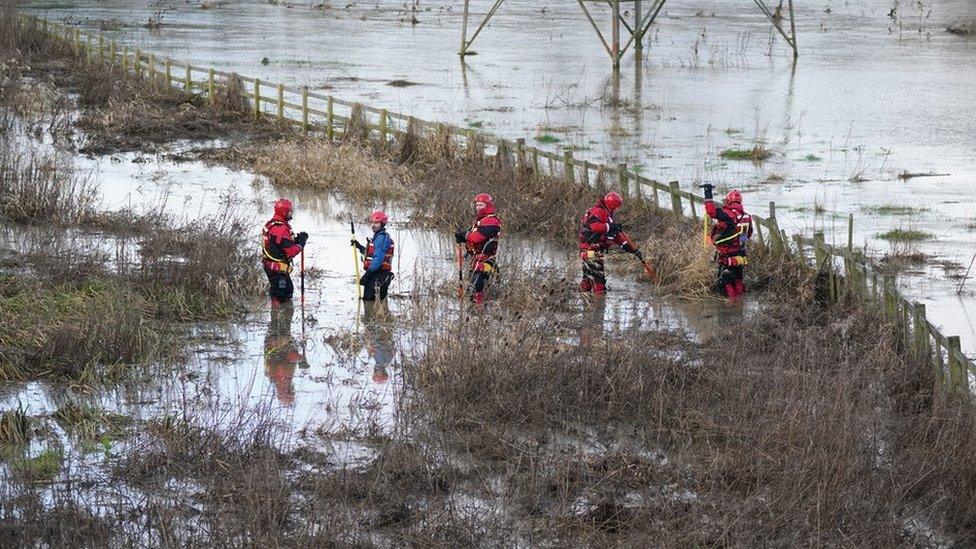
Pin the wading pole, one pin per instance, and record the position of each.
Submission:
(460, 264)
(302, 283)
(355, 261)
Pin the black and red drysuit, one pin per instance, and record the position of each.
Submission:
(279, 245)
(731, 230)
(599, 233)
(481, 242)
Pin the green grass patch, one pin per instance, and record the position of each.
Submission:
(812, 158)
(475, 123)
(547, 138)
(893, 209)
(43, 467)
(756, 154)
(904, 235)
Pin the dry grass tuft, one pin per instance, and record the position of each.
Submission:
(318, 164)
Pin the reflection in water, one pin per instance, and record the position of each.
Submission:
(380, 347)
(594, 317)
(282, 353)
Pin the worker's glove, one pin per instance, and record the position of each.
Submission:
(615, 228)
(460, 236)
(639, 255)
(708, 190)
(301, 238)
(355, 243)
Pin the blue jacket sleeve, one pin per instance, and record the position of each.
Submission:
(380, 246)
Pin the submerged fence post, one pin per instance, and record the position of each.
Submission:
(257, 98)
(281, 102)
(569, 172)
(675, 198)
(305, 109)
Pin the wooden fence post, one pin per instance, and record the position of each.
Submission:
(329, 119)
(383, 125)
(187, 80)
(281, 103)
(535, 160)
(305, 109)
(125, 58)
(520, 153)
(137, 63)
(211, 86)
(169, 74)
(152, 69)
(569, 171)
(623, 180)
(257, 98)
(101, 47)
(889, 296)
(675, 198)
(958, 375)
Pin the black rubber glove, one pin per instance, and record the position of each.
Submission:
(355, 243)
(301, 238)
(615, 228)
(708, 190)
(639, 255)
(460, 236)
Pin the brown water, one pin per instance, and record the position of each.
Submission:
(873, 95)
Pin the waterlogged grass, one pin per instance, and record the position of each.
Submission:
(893, 209)
(905, 235)
(812, 158)
(15, 427)
(547, 138)
(757, 153)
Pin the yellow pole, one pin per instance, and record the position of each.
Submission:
(355, 261)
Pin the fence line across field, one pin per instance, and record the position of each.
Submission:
(849, 273)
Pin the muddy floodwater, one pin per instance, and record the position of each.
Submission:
(875, 119)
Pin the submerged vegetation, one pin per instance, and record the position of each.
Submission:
(905, 235)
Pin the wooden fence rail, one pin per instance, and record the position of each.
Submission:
(847, 273)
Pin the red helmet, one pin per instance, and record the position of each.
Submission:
(283, 208)
(379, 216)
(612, 201)
(483, 197)
(734, 197)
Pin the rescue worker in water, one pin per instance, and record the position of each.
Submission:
(377, 259)
(730, 233)
(481, 243)
(598, 233)
(278, 246)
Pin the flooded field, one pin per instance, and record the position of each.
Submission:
(874, 120)
(133, 411)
